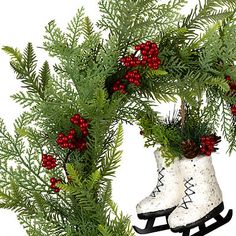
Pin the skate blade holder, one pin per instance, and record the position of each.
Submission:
(150, 228)
(203, 229)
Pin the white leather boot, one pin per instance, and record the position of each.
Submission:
(167, 193)
(201, 199)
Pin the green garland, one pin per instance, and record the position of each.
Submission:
(66, 147)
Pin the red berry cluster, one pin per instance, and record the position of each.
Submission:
(119, 86)
(130, 61)
(48, 161)
(81, 122)
(82, 144)
(67, 141)
(75, 140)
(148, 56)
(232, 86)
(53, 182)
(133, 77)
(208, 144)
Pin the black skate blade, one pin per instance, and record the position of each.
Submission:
(220, 221)
(150, 228)
(203, 230)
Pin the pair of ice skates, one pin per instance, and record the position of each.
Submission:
(187, 194)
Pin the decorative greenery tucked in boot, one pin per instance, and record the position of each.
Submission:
(56, 170)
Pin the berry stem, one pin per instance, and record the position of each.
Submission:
(65, 161)
(182, 113)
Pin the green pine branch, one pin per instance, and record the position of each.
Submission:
(24, 65)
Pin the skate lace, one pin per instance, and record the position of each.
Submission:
(159, 182)
(188, 193)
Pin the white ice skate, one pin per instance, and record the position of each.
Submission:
(164, 198)
(201, 200)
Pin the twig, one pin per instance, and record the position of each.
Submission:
(182, 113)
(65, 161)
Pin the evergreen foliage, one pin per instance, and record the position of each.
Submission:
(193, 66)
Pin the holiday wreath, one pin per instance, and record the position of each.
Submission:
(56, 169)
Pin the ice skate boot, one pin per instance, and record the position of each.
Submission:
(163, 199)
(201, 201)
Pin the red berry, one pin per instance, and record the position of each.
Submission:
(48, 163)
(122, 86)
(127, 76)
(228, 78)
(154, 45)
(76, 122)
(152, 52)
(150, 65)
(208, 139)
(128, 59)
(232, 86)
(72, 132)
(76, 116)
(138, 76)
(115, 88)
(59, 141)
(53, 180)
(142, 45)
(155, 64)
(64, 145)
(154, 58)
(233, 111)
(143, 63)
(133, 63)
(85, 133)
(65, 139)
(145, 58)
(203, 150)
(56, 190)
(85, 125)
(211, 148)
(122, 60)
(44, 155)
(208, 153)
(203, 139)
(44, 164)
(61, 135)
(143, 52)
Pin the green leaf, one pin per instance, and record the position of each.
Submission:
(14, 53)
(22, 132)
(88, 29)
(75, 28)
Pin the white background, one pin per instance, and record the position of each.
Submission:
(23, 21)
